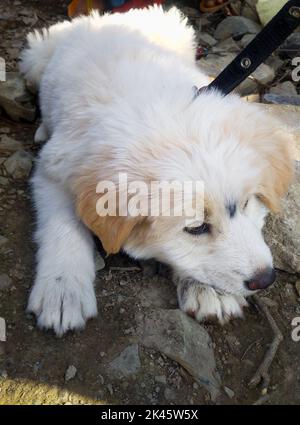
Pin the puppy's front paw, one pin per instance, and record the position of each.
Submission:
(204, 303)
(62, 302)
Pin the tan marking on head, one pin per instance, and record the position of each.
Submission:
(113, 231)
(279, 169)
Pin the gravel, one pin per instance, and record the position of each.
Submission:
(70, 373)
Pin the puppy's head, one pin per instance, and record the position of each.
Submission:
(241, 155)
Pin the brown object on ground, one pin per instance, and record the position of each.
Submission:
(84, 7)
(262, 372)
(33, 363)
(212, 6)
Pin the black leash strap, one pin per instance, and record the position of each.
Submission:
(258, 50)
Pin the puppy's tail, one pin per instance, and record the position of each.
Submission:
(41, 46)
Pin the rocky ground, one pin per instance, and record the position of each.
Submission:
(140, 349)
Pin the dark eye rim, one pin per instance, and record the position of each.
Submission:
(199, 230)
(246, 204)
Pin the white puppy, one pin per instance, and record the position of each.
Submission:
(116, 94)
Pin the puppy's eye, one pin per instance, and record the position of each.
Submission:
(199, 230)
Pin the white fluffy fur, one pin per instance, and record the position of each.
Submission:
(122, 85)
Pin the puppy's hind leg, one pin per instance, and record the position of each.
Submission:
(63, 295)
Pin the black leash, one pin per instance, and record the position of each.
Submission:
(258, 50)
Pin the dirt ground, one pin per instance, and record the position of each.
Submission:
(33, 363)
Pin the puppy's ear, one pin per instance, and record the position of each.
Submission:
(275, 150)
(113, 231)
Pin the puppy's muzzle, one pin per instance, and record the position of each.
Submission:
(261, 280)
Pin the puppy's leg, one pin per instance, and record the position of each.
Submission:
(63, 295)
(204, 303)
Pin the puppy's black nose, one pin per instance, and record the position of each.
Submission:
(261, 280)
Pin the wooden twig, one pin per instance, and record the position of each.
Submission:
(125, 269)
(250, 346)
(262, 373)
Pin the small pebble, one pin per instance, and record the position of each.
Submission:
(264, 391)
(3, 240)
(70, 373)
(161, 379)
(5, 281)
(2, 330)
(110, 389)
(101, 379)
(99, 262)
(169, 394)
(4, 374)
(297, 286)
(229, 392)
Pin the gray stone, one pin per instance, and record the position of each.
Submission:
(30, 21)
(99, 262)
(264, 74)
(247, 38)
(291, 46)
(290, 117)
(4, 130)
(282, 231)
(249, 10)
(278, 99)
(7, 144)
(229, 392)
(5, 281)
(191, 12)
(236, 26)
(15, 99)
(128, 362)
(289, 293)
(2, 330)
(182, 339)
(19, 164)
(70, 373)
(169, 394)
(3, 373)
(228, 45)
(274, 62)
(286, 89)
(3, 241)
(297, 286)
(3, 181)
(161, 379)
(110, 389)
(206, 40)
